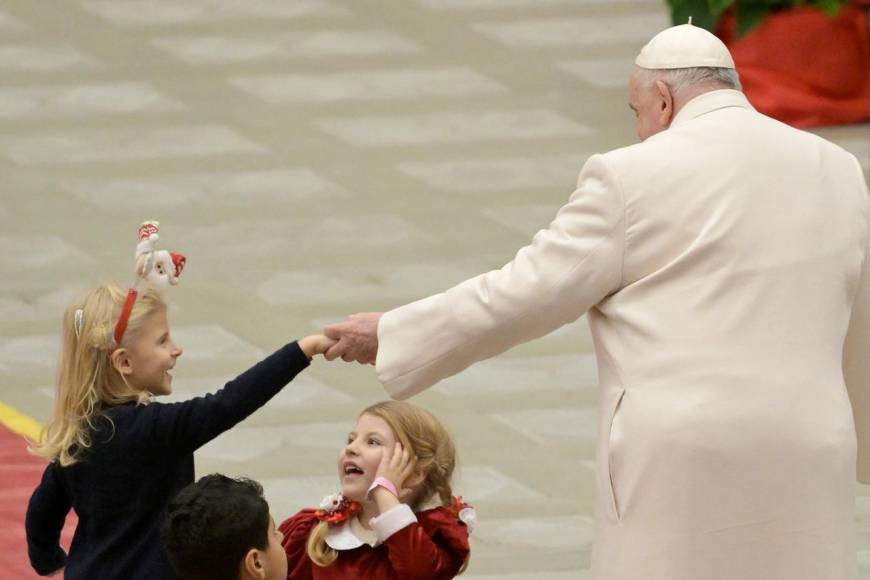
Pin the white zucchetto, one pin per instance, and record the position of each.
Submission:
(684, 46)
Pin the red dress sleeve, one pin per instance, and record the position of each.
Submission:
(434, 548)
(296, 530)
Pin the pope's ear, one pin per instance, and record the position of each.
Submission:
(120, 359)
(666, 103)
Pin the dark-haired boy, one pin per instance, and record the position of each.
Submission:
(220, 528)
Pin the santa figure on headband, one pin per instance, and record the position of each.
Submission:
(159, 269)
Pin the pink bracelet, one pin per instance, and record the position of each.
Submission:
(385, 483)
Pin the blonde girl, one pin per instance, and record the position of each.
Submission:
(116, 456)
(396, 515)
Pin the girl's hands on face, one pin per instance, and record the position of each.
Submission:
(397, 465)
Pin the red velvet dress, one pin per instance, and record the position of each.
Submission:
(434, 548)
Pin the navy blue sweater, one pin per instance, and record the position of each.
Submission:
(120, 487)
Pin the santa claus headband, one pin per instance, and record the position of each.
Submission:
(159, 270)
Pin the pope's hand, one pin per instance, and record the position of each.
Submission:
(357, 338)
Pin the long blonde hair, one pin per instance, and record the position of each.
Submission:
(425, 437)
(87, 381)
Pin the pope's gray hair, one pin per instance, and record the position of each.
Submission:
(680, 79)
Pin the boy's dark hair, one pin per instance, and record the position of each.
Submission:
(211, 524)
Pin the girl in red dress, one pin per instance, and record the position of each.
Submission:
(396, 517)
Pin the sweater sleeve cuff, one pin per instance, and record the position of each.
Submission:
(393, 520)
(50, 564)
(297, 354)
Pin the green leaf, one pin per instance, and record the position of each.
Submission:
(829, 7)
(749, 15)
(717, 7)
(697, 9)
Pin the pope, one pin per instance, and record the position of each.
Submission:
(723, 265)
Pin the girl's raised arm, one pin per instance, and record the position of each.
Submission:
(182, 428)
(414, 553)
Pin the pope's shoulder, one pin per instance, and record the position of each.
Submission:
(750, 131)
(654, 150)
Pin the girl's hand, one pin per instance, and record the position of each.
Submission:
(397, 465)
(315, 344)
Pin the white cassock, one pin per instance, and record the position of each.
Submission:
(720, 263)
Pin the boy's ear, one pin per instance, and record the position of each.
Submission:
(121, 361)
(251, 565)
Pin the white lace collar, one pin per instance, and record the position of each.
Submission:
(342, 536)
(347, 534)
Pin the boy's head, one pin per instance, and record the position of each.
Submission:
(220, 529)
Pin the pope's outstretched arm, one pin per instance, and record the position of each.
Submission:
(567, 268)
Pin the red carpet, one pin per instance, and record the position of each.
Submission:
(19, 474)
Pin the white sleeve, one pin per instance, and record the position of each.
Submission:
(567, 268)
(393, 520)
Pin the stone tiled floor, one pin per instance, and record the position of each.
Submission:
(313, 159)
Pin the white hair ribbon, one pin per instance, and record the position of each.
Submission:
(79, 322)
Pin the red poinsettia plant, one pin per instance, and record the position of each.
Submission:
(749, 13)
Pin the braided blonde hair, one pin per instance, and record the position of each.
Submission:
(425, 437)
(87, 381)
